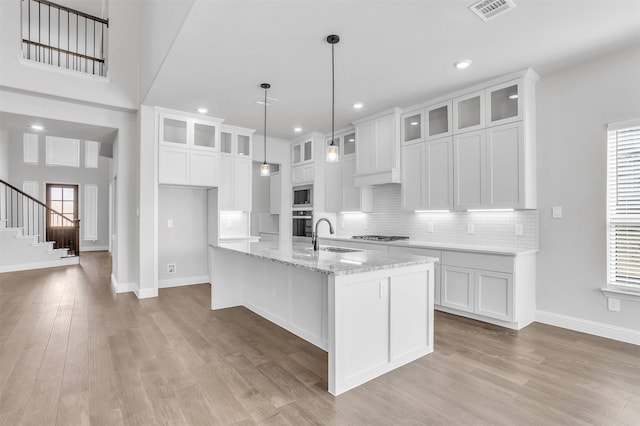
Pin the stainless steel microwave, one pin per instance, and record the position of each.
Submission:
(302, 196)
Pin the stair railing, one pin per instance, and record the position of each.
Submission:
(20, 210)
(58, 35)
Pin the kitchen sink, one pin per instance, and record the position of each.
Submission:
(339, 249)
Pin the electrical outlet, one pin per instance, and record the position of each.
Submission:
(169, 223)
(471, 228)
(613, 304)
(519, 229)
(430, 227)
(556, 212)
(171, 268)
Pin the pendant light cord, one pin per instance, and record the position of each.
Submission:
(333, 95)
(265, 126)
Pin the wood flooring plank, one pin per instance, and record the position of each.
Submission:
(72, 352)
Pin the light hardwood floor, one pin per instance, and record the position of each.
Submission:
(72, 352)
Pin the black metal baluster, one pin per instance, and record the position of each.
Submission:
(59, 37)
(28, 45)
(49, 31)
(39, 29)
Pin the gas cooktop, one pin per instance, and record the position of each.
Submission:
(379, 237)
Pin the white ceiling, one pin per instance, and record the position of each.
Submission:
(391, 53)
(19, 123)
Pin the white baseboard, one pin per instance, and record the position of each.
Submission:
(145, 293)
(94, 248)
(613, 332)
(121, 287)
(65, 261)
(178, 282)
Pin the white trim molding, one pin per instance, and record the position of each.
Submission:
(620, 292)
(613, 332)
(145, 293)
(121, 287)
(65, 261)
(94, 248)
(179, 282)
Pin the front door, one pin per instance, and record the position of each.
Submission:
(62, 198)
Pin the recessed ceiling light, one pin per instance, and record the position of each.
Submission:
(414, 123)
(352, 140)
(513, 96)
(358, 105)
(37, 127)
(202, 110)
(464, 63)
(297, 129)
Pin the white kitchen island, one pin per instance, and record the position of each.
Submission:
(371, 311)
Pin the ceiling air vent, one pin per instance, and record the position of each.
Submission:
(487, 9)
(260, 101)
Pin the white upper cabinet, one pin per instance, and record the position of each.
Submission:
(236, 141)
(378, 149)
(468, 112)
(302, 152)
(187, 150)
(469, 153)
(427, 175)
(493, 149)
(504, 103)
(438, 121)
(340, 193)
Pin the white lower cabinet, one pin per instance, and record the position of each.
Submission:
(496, 288)
(494, 295)
(457, 288)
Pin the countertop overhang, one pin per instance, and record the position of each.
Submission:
(302, 256)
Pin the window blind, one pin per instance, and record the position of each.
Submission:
(623, 205)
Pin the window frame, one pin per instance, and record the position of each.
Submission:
(613, 288)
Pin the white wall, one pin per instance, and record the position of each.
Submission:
(4, 155)
(20, 172)
(119, 90)
(158, 26)
(125, 164)
(184, 244)
(278, 151)
(573, 109)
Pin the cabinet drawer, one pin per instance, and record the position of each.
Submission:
(487, 262)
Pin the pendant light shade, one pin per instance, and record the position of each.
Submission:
(264, 168)
(333, 152)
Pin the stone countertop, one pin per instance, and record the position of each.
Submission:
(508, 251)
(302, 256)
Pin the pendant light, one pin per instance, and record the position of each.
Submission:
(333, 154)
(264, 168)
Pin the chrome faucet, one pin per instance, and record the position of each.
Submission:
(314, 234)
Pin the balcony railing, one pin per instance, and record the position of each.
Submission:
(58, 35)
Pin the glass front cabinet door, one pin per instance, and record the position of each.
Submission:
(468, 112)
(412, 124)
(504, 103)
(438, 120)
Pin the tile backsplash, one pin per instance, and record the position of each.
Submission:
(490, 228)
(234, 224)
